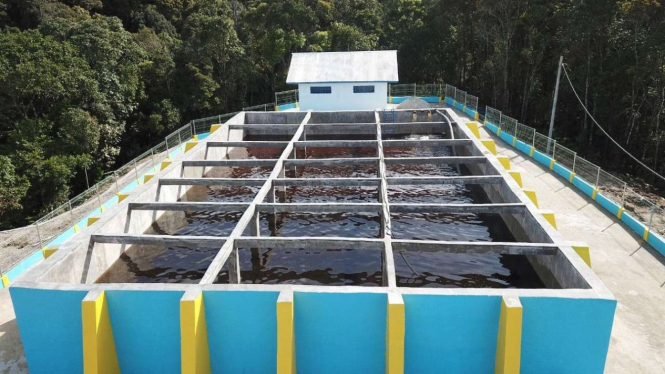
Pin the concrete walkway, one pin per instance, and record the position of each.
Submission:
(12, 360)
(632, 270)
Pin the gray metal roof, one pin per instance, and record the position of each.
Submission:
(329, 67)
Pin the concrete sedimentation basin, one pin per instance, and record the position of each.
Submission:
(215, 322)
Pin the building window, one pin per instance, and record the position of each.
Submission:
(320, 90)
(363, 89)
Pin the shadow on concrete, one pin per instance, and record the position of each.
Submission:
(12, 359)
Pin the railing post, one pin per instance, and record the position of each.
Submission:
(39, 235)
(99, 199)
(553, 146)
(136, 172)
(415, 89)
(152, 157)
(71, 210)
(179, 140)
(653, 209)
(533, 141)
(574, 160)
(115, 178)
(623, 194)
(597, 177)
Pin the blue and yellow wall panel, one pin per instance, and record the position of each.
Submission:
(340, 332)
(146, 330)
(242, 331)
(50, 325)
(565, 335)
(451, 334)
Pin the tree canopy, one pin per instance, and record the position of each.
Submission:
(89, 84)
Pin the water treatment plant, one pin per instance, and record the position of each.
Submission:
(383, 240)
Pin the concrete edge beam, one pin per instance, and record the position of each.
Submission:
(145, 239)
(187, 206)
(319, 207)
(229, 163)
(347, 182)
(480, 179)
(436, 160)
(212, 182)
(548, 249)
(514, 208)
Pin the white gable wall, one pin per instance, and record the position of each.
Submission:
(342, 96)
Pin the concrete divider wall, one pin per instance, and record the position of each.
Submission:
(334, 332)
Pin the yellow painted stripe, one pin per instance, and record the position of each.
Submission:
(390, 99)
(76, 228)
(195, 138)
(619, 213)
(48, 251)
(645, 236)
(473, 126)
(92, 220)
(532, 196)
(514, 141)
(582, 249)
(122, 196)
(5, 280)
(552, 164)
(286, 343)
(190, 145)
(509, 341)
(505, 161)
(395, 331)
(195, 354)
(498, 131)
(147, 178)
(489, 144)
(164, 165)
(531, 152)
(99, 354)
(517, 176)
(549, 216)
(276, 108)
(214, 128)
(297, 105)
(476, 116)
(572, 175)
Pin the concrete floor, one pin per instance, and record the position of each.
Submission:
(630, 270)
(633, 271)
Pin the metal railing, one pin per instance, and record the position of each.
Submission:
(613, 188)
(270, 107)
(18, 244)
(286, 97)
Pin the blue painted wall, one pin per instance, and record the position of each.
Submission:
(50, 325)
(608, 204)
(584, 186)
(562, 171)
(451, 334)
(449, 101)
(540, 157)
(286, 107)
(565, 335)
(146, 330)
(523, 147)
(633, 223)
(242, 331)
(340, 332)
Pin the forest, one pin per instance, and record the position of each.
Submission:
(89, 84)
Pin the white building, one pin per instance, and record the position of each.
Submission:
(343, 80)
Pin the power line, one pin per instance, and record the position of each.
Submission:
(605, 132)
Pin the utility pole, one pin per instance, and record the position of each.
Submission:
(556, 96)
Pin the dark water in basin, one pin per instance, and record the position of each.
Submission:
(348, 266)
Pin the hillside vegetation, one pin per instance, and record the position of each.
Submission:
(91, 83)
